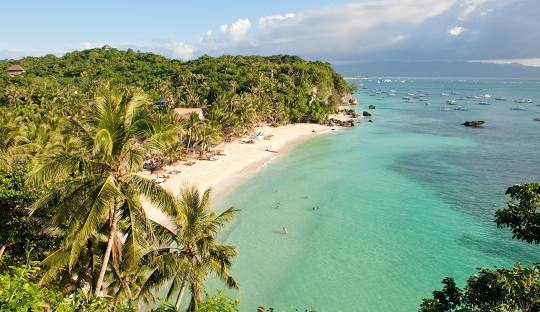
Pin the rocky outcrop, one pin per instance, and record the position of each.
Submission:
(350, 112)
(332, 122)
(349, 99)
(474, 123)
(366, 114)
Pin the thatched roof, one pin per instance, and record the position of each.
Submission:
(15, 68)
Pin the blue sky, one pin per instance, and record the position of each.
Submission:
(339, 31)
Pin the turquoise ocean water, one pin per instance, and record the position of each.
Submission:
(404, 201)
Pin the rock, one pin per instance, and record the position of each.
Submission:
(332, 122)
(349, 99)
(366, 114)
(370, 120)
(371, 106)
(350, 112)
(473, 123)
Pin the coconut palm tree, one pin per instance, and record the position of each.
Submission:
(192, 251)
(191, 126)
(96, 193)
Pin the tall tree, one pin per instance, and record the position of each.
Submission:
(522, 215)
(99, 192)
(192, 251)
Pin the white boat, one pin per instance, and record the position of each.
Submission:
(486, 96)
(519, 108)
(445, 94)
(484, 103)
(451, 102)
(522, 101)
(501, 98)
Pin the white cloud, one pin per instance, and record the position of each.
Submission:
(398, 38)
(181, 50)
(456, 31)
(237, 30)
(468, 7)
(90, 45)
(274, 19)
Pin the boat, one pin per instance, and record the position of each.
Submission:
(484, 103)
(486, 96)
(519, 108)
(451, 102)
(522, 101)
(461, 108)
(501, 98)
(406, 98)
(445, 94)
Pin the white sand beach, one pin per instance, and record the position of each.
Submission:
(241, 160)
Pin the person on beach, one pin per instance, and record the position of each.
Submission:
(285, 231)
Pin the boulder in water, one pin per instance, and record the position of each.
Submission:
(474, 123)
(366, 114)
(371, 106)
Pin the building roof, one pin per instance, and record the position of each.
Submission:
(185, 112)
(106, 47)
(15, 68)
(162, 101)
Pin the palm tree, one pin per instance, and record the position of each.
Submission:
(192, 252)
(191, 125)
(97, 194)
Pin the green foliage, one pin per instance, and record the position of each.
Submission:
(523, 212)
(219, 303)
(18, 293)
(516, 289)
(490, 290)
(23, 235)
(282, 86)
(216, 303)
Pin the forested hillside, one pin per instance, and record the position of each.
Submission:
(273, 89)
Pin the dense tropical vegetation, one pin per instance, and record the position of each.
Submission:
(500, 289)
(75, 131)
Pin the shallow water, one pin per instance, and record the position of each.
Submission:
(404, 201)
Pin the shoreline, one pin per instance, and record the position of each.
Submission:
(241, 161)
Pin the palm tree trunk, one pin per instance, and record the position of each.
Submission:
(6, 245)
(107, 255)
(181, 294)
(2, 250)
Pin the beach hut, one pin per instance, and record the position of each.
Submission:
(15, 69)
(186, 112)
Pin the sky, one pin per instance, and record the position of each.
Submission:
(339, 31)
